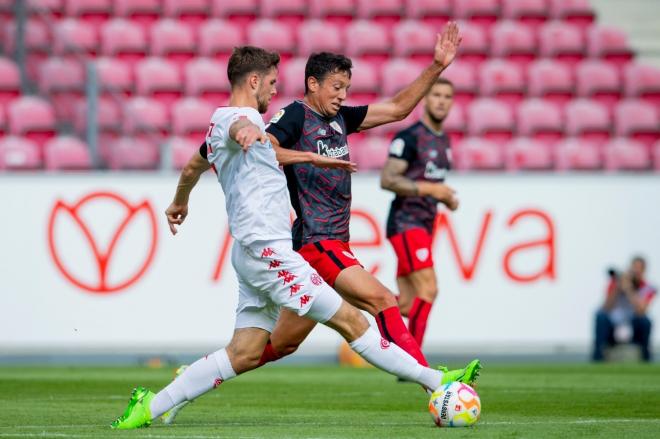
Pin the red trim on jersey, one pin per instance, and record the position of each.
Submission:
(413, 251)
(329, 258)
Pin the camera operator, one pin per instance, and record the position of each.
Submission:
(628, 298)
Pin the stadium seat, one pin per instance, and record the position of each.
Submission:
(609, 43)
(124, 39)
(66, 153)
(483, 13)
(319, 36)
(550, 81)
(10, 81)
(109, 118)
(576, 12)
(133, 153)
(207, 79)
(241, 12)
(626, 154)
(142, 12)
(541, 120)
(397, 74)
(432, 12)
(371, 153)
(464, 78)
(588, 119)
(45, 8)
(474, 45)
(182, 149)
(219, 37)
(490, 118)
(190, 12)
(513, 41)
(158, 78)
(174, 40)
(114, 76)
(527, 12)
(455, 124)
(38, 44)
(93, 12)
(642, 81)
(577, 154)
(528, 154)
(638, 120)
(292, 74)
(414, 39)
(563, 42)
(503, 79)
(146, 115)
(364, 81)
(365, 38)
(598, 80)
(478, 153)
(656, 156)
(63, 81)
(19, 153)
(272, 35)
(386, 12)
(286, 11)
(75, 37)
(191, 118)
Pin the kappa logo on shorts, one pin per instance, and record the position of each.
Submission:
(348, 254)
(422, 254)
(217, 382)
(384, 344)
(274, 264)
(287, 276)
(316, 279)
(304, 299)
(294, 289)
(267, 252)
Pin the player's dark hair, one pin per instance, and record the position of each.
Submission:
(638, 258)
(249, 59)
(444, 81)
(320, 65)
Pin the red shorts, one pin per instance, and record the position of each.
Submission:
(329, 258)
(413, 251)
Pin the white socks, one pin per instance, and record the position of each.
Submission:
(203, 375)
(391, 358)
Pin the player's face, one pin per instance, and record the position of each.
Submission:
(331, 93)
(438, 101)
(637, 269)
(266, 90)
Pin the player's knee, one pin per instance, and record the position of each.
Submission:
(243, 359)
(429, 293)
(285, 348)
(382, 299)
(404, 306)
(349, 322)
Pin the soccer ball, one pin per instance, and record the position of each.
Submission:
(455, 405)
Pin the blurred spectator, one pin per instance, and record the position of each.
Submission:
(628, 298)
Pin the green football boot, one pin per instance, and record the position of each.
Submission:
(137, 414)
(468, 375)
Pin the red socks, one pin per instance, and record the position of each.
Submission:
(392, 328)
(269, 355)
(417, 318)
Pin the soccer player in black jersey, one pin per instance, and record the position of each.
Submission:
(419, 159)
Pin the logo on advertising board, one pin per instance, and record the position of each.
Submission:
(102, 243)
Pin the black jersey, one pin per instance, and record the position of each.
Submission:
(429, 158)
(320, 197)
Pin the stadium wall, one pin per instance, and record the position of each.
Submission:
(88, 263)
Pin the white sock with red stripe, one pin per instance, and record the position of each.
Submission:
(203, 375)
(391, 358)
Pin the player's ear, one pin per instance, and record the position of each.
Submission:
(312, 84)
(253, 81)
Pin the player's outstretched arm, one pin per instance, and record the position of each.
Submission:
(403, 103)
(245, 133)
(290, 157)
(178, 209)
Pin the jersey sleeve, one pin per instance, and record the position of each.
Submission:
(286, 126)
(404, 147)
(203, 150)
(353, 117)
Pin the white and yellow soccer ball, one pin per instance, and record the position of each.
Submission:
(455, 405)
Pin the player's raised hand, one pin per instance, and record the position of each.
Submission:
(447, 44)
(176, 214)
(249, 134)
(322, 161)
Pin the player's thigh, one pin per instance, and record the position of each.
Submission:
(290, 331)
(406, 294)
(424, 283)
(349, 322)
(245, 348)
(361, 289)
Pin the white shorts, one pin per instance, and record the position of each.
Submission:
(272, 275)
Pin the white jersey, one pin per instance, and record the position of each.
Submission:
(257, 198)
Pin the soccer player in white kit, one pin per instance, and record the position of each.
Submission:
(270, 274)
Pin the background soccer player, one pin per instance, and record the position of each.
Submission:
(322, 197)
(419, 159)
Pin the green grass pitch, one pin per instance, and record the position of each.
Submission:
(521, 401)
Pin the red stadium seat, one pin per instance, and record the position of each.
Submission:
(183, 149)
(114, 76)
(207, 79)
(364, 81)
(109, 118)
(637, 119)
(481, 12)
(385, 12)
(414, 38)
(158, 78)
(528, 154)
(19, 153)
(10, 81)
(589, 120)
(174, 40)
(490, 118)
(367, 38)
(142, 12)
(319, 36)
(38, 44)
(397, 74)
(94, 12)
(464, 78)
(563, 42)
(541, 120)
(191, 118)
(272, 35)
(133, 153)
(598, 80)
(241, 12)
(66, 153)
(551, 81)
(474, 45)
(642, 81)
(433, 12)
(219, 37)
(577, 12)
(528, 12)
(371, 153)
(124, 39)
(609, 43)
(63, 80)
(626, 154)
(32, 117)
(576, 154)
(513, 41)
(478, 153)
(145, 115)
(503, 79)
(45, 7)
(287, 11)
(191, 12)
(292, 75)
(75, 36)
